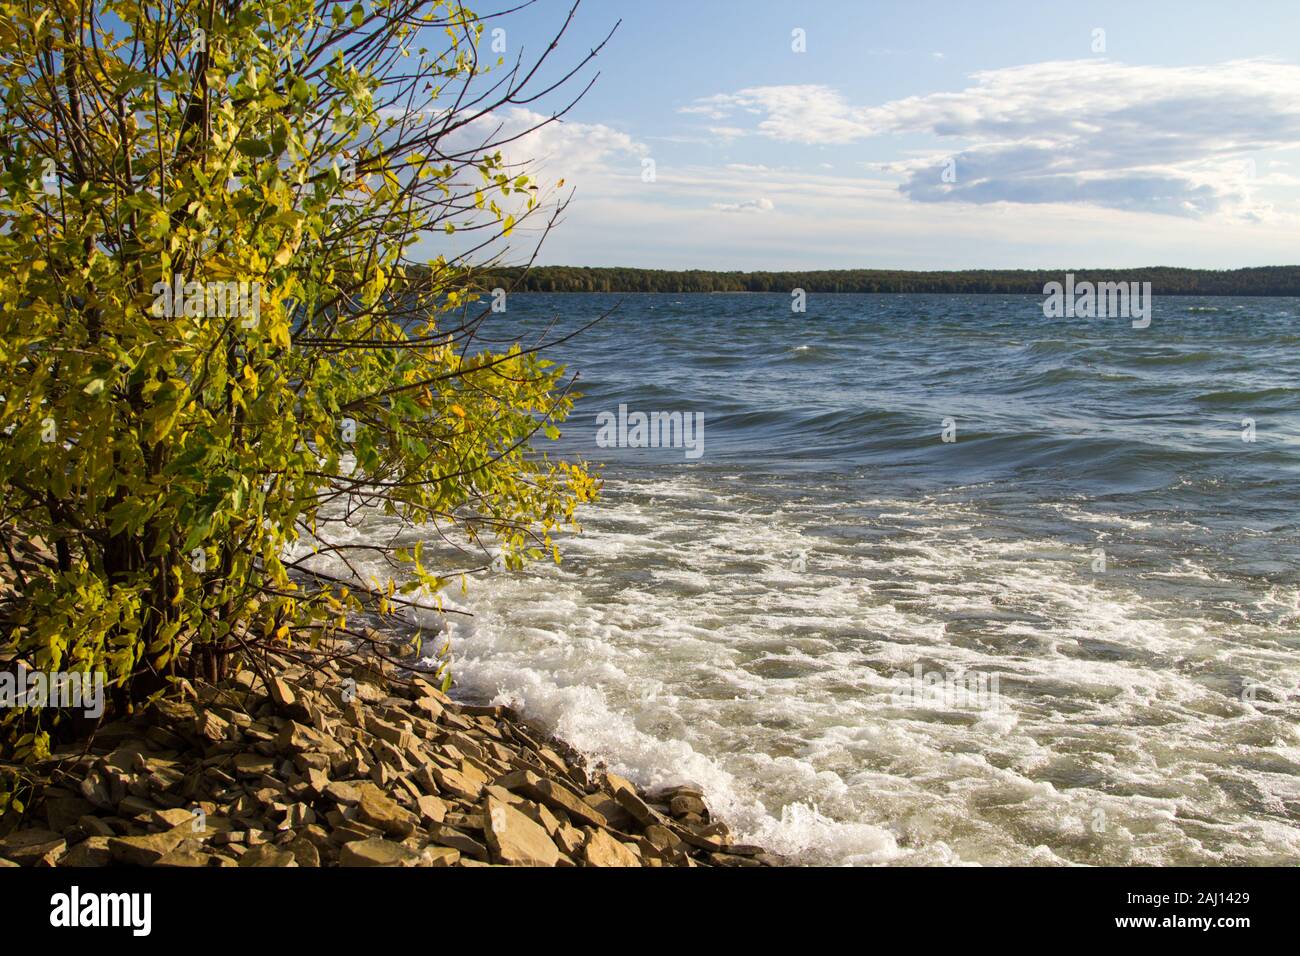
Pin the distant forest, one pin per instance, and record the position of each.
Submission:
(1267, 280)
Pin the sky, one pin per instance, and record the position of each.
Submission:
(920, 135)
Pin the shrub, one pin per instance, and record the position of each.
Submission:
(213, 333)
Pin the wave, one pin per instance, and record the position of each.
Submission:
(763, 664)
(1167, 357)
(1277, 397)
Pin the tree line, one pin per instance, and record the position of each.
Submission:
(1262, 281)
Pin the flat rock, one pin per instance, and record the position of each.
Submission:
(637, 808)
(64, 812)
(459, 783)
(268, 855)
(97, 792)
(29, 847)
(431, 707)
(377, 852)
(661, 837)
(92, 851)
(727, 859)
(601, 849)
(466, 844)
(211, 727)
(253, 765)
(95, 826)
(281, 693)
(175, 817)
(304, 851)
(554, 795)
(399, 737)
(684, 803)
(613, 812)
(514, 839)
(431, 808)
(380, 810)
(299, 738)
(439, 856)
(343, 793)
(187, 855)
(145, 850)
(570, 839)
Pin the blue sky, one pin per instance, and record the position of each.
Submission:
(924, 135)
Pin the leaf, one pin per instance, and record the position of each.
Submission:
(253, 148)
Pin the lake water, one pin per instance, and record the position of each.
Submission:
(1069, 635)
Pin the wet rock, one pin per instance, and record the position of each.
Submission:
(684, 803)
(728, 859)
(609, 808)
(631, 801)
(661, 837)
(552, 794)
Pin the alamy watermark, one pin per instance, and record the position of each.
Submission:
(971, 690)
(74, 908)
(224, 299)
(683, 430)
(65, 690)
(1101, 300)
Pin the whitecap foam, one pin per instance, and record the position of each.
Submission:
(678, 643)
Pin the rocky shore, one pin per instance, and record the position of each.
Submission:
(346, 762)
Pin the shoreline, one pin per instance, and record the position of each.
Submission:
(347, 762)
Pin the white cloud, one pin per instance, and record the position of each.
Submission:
(740, 213)
(726, 132)
(1093, 132)
(594, 160)
(750, 205)
(569, 149)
